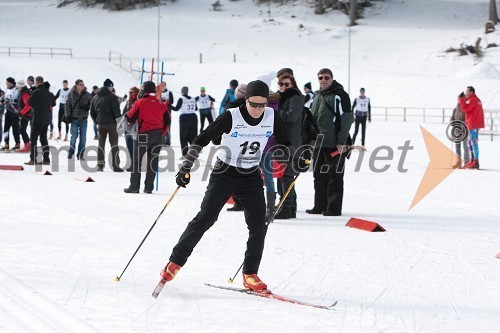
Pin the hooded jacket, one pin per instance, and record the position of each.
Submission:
(41, 101)
(105, 108)
(335, 130)
(473, 109)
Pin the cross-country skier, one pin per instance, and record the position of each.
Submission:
(62, 95)
(188, 121)
(245, 131)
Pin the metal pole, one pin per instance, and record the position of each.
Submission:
(158, 55)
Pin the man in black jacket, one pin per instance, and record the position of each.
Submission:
(41, 101)
(104, 110)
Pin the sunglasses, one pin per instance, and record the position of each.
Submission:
(326, 78)
(257, 105)
(286, 84)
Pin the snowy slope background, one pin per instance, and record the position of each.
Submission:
(62, 242)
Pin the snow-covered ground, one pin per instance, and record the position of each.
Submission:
(62, 242)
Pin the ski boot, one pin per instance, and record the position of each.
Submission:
(253, 282)
(170, 271)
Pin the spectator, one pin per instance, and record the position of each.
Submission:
(11, 115)
(459, 116)
(363, 109)
(228, 96)
(204, 105)
(2, 110)
(104, 110)
(166, 95)
(46, 84)
(26, 113)
(41, 101)
(129, 139)
(474, 118)
(62, 94)
(309, 95)
(96, 132)
(332, 112)
(76, 113)
(188, 121)
(30, 81)
(152, 117)
(291, 105)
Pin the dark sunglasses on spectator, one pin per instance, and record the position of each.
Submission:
(286, 84)
(257, 105)
(326, 78)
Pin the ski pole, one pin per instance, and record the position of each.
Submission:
(117, 279)
(276, 210)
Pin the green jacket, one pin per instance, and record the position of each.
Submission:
(335, 129)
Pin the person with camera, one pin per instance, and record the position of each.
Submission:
(474, 118)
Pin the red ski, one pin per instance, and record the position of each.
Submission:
(269, 294)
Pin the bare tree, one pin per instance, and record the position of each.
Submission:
(320, 8)
(353, 12)
(493, 12)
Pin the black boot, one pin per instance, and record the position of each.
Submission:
(270, 200)
(284, 214)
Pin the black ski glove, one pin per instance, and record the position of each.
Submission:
(182, 177)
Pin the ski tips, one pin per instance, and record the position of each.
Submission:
(117, 279)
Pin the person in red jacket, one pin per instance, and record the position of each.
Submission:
(25, 111)
(474, 118)
(151, 116)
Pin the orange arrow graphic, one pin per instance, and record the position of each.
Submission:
(440, 166)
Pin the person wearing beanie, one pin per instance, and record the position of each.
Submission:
(105, 109)
(245, 131)
(76, 112)
(204, 104)
(362, 109)
(11, 115)
(152, 118)
(228, 96)
(62, 94)
(309, 95)
(188, 120)
(333, 103)
(41, 102)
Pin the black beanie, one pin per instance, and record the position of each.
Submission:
(46, 84)
(233, 83)
(31, 78)
(308, 85)
(149, 87)
(257, 88)
(108, 83)
(11, 80)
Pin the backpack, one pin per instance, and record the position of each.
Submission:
(310, 128)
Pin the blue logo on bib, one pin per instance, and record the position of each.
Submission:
(268, 134)
(234, 134)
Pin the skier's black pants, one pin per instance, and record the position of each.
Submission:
(328, 181)
(39, 131)
(147, 143)
(60, 117)
(22, 130)
(360, 120)
(205, 114)
(221, 186)
(188, 129)
(11, 120)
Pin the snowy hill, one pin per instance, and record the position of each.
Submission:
(62, 242)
